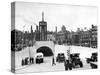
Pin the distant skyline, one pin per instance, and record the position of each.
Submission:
(71, 16)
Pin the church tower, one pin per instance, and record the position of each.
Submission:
(43, 29)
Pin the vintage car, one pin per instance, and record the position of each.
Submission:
(39, 58)
(93, 65)
(75, 60)
(93, 58)
(60, 57)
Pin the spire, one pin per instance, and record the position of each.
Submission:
(56, 29)
(42, 16)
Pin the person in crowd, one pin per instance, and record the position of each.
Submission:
(31, 60)
(26, 62)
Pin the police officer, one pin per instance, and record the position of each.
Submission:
(68, 65)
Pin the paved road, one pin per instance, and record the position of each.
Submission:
(47, 66)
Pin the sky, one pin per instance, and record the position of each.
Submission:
(71, 16)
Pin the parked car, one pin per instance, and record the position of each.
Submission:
(93, 65)
(60, 57)
(75, 60)
(93, 58)
(39, 58)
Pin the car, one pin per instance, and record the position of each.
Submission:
(39, 58)
(93, 65)
(60, 57)
(75, 60)
(93, 58)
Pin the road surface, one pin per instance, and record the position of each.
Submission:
(47, 65)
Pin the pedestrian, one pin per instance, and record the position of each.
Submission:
(30, 60)
(26, 61)
(53, 61)
(70, 65)
(23, 62)
(66, 64)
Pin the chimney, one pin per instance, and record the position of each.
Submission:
(42, 16)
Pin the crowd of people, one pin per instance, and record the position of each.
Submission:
(27, 61)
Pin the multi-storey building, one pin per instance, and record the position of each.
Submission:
(94, 36)
(61, 36)
(85, 38)
(50, 36)
(89, 37)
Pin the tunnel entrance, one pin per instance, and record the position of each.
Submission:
(45, 50)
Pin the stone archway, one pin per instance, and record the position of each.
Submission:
(45, 50)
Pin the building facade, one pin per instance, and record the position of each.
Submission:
(50, 37)
(62, 36)
(94, 36)
(88, 38)
(85, 38)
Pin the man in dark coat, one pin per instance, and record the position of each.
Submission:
(31, 60)
(68, 65)
(53, 61)
(23, 63)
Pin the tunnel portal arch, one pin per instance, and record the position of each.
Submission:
(47, 51)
